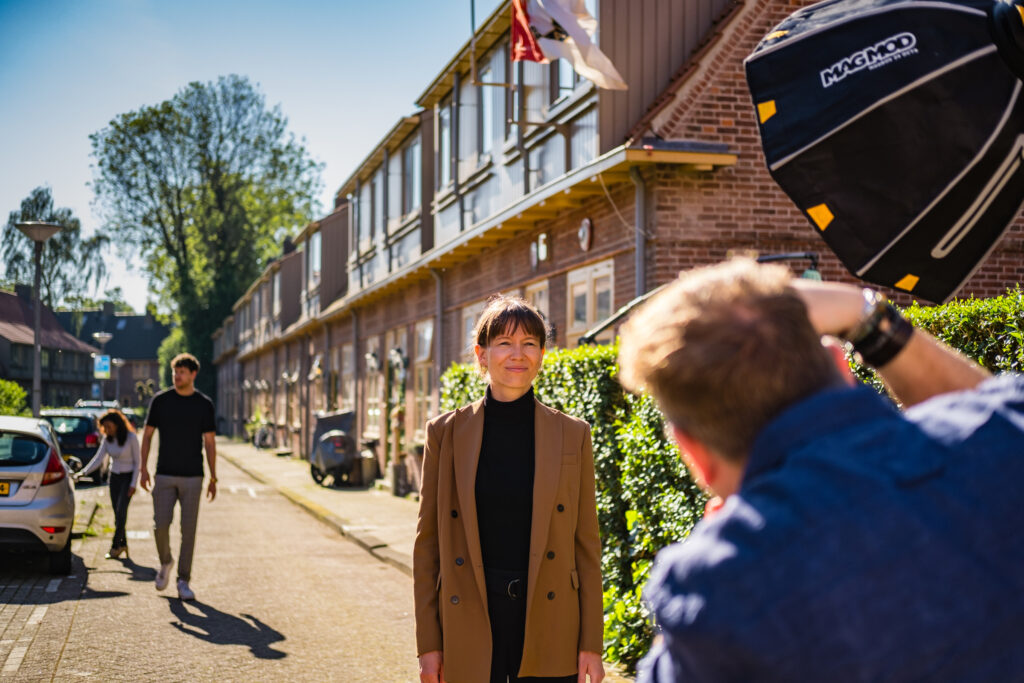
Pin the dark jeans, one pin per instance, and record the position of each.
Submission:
(119, 498)
(506, 607)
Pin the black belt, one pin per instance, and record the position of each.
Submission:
(506, 583)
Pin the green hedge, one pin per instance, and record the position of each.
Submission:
(645, 498)
(13, 399)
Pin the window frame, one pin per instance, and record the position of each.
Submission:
(587, 278)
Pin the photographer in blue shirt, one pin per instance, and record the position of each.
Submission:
(856, 541)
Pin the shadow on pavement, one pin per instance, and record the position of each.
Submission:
(139, 572)
(26, 575)
(220, 628)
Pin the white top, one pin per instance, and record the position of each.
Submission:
(126, 458)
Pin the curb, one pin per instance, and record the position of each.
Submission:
(371, 544)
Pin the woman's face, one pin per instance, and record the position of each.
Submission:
(109, 428)
(512, 360)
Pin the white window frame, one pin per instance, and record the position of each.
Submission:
(470, 314)
(586, 280)
(423, 375)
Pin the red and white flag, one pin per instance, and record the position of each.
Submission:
(561, 29)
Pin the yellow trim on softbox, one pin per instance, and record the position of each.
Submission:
(766, 110)
(821, 215)
(908, 283)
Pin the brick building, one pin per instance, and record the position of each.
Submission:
(578, 199)
(134, 342)
(66, 365)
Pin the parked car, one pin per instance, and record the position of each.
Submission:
(37, 497)
(78, 433)
(92, 403)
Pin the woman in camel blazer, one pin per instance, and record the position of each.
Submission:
(476, 622)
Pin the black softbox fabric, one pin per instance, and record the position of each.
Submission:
(898, 129)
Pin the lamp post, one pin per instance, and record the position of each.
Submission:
(116, 363)
(38, 232)
(102, 338)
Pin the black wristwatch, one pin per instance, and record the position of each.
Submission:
(881, 333)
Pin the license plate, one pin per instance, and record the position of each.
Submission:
(5, 488)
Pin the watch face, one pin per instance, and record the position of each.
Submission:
(585, 234)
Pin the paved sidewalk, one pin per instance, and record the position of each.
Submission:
(381, 523)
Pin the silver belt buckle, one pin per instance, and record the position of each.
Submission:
(513, 589)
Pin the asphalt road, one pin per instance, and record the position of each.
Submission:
(280, 597)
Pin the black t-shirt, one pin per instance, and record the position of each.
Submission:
(181, 421)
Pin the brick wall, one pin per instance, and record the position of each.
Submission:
(700, 216)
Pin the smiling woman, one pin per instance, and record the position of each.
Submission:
(508, 520)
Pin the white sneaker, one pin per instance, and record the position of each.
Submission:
(164, 575)
(184, 592)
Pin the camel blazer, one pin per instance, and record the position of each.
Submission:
(563, 597)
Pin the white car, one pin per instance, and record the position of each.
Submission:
(37, 497)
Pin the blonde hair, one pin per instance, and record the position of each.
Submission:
(723, 350)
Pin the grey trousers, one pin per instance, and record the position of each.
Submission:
(168, 490)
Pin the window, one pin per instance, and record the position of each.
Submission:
(313, 263)
(590, 300)
(486, 95)
(19, 358)
(44, 358)
(373, 386)
(537, 295)
(444, 145)
(277, 293)
(564, 79)
(515, 70)
(347, 378)
(377, 192)
(422, 371)
(470, 314)
(411, 175)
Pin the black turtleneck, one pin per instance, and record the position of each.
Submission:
(504, 482)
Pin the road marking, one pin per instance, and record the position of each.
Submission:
(137, 534)
(252, 493)
(53, 586)
(13, 662)
(37, 615)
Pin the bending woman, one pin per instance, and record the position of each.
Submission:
(506, 565)
(121, 445)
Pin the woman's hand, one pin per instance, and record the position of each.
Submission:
(131, 491)
(432, 667)
(590, 664)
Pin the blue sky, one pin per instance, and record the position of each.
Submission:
(342, 71)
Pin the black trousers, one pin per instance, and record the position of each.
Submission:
(119, 498)
(506, 607)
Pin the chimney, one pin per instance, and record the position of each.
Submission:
(288, 246)
(23, 292)
(108, 309)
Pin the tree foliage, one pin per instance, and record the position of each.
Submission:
(13, 399)
(70, 265)
(205, 185)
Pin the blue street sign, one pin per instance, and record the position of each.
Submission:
(101, 367)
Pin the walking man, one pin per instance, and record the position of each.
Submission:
(185, 419)
(857, 542)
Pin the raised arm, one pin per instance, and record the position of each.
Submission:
(97, 459)
(925, 367)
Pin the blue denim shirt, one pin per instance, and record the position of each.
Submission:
(863, 545)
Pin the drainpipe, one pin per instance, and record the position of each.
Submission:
(456, 133)
(640, 234)
(438, 333)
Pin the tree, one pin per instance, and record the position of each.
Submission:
(205, 185)
(81, 302)
(70, 263)
(12, 399)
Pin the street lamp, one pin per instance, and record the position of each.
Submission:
(38, 232)
(117, 363)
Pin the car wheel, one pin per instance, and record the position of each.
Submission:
(60, 560)
(318, 474)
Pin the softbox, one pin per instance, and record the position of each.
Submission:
(897, 127)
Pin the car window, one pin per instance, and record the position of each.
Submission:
(69, 424)
(19, 449)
